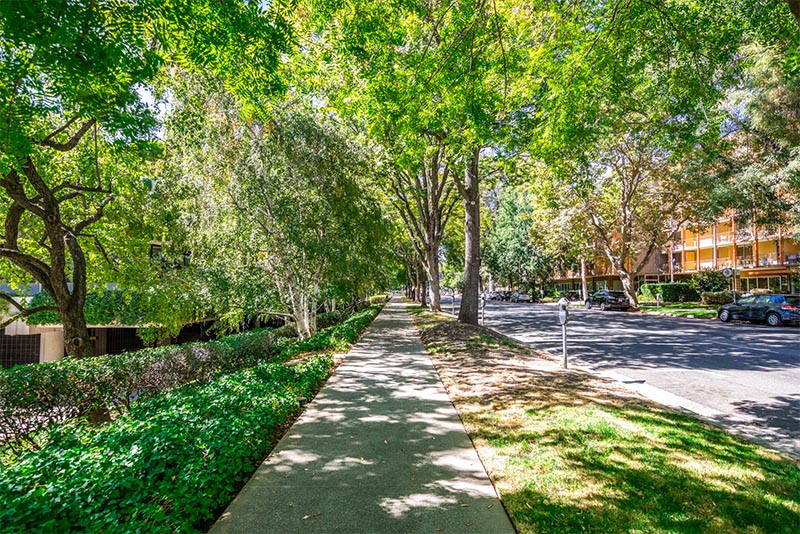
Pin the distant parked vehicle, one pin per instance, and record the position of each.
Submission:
(503, 295)
(520, 297)
(774, 310)
(608, 300)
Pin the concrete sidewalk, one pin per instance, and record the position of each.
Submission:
(380, 449)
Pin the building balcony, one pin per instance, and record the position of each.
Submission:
(764, 260)
(724, 238)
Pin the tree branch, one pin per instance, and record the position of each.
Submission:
(25, 313)
(95, 217)
(71, 143)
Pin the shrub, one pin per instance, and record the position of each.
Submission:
(167, 465)
(33, 397)
(717, 297)
(377, 300)
(670, 292)
(709, 280)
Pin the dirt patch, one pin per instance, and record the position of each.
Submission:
(477, 362)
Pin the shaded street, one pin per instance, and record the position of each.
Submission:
(746, 377)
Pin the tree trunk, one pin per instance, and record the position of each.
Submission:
(76, 334)
(468, 313)
(304, 323)
(584, 283)
(418, 294)
(423, 297)
(434, 288)
(794, 7)
(627, 285)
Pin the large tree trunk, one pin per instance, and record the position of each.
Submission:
(76, 334)
(432, 270)
(60, 240)
(468, 313)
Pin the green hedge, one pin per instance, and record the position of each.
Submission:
(35, 396)
(167, 465)
(174, 459)
(670, 292)
(717, 297)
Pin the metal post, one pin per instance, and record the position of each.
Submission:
(453, 303)
(483, 310)
(563, 318)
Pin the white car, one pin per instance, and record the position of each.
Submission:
(520, 297)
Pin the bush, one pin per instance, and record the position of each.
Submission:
(717, 297)
(709, 280)
(33, 397)
(381, 299)
(670, 292)
(167, 465)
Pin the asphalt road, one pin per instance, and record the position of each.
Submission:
(742, 376)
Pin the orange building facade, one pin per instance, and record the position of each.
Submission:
(758, 258)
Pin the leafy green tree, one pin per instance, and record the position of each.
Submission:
(709, 280)
(760, 153)
(425, 196)
(70, 74)
(511, 255)
(449, 71)
(286, 196)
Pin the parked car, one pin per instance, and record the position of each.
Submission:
(608, 300)
(774, 310)
(520, 297)
(503, 295)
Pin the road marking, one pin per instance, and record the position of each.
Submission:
(712, 373)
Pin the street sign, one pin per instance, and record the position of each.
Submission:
(727, 272)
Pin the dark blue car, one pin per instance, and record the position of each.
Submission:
(774, 310)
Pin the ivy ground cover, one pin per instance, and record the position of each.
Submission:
(171, 462)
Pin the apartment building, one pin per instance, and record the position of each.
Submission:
(758, 258)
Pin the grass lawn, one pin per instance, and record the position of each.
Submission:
(682, 309)
(570, 452)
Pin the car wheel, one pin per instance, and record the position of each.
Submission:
(773, 319)
(724, 316)
(603, 306)
(588, 305)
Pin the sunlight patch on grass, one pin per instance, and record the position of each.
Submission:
(569, 452)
